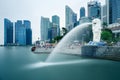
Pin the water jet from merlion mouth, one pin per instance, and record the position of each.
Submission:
(73, 41)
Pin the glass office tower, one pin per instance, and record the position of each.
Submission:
(82, 12)
(27, 25)
(113, 11)
(20, 33)
(56, 21)
(70, 18)
(8, 32)
(94, 9)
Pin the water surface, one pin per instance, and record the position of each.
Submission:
(13, 59)
(15, 64)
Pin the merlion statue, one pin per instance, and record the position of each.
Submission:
(96, 28)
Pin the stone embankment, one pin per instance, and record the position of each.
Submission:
(106, 52)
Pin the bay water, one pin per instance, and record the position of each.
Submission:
(14, 59)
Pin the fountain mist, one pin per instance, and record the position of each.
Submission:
(72, 42)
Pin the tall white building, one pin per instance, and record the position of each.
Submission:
(45, 24)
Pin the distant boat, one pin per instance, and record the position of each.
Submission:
(42, 50)
(42, 47)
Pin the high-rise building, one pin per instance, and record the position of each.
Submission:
(8, 32)
(54, 30)
(45, 25)
(74, 18)
(27, 25)
(70, 18)
(20, 33)
(104, 14)
(113, 11)
(94, 9)
(56, 21)
(50, 32)
(82, 12)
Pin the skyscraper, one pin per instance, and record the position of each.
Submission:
(70, 18)
(50, 32)
(45, 25)
(8, 32)
(54, 30)
(113, 11)
(27, 25)
(20, 33)
(104, 14)
(94, 9)
(82, 12)
(74, 18)
(56, 21)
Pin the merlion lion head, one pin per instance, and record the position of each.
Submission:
(96, 23)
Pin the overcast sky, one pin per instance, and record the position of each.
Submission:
(33, 10)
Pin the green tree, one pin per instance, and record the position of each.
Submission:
(107, 35)
(58, 38)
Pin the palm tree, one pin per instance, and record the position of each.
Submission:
(64, 31)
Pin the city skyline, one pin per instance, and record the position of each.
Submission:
(33, 9)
